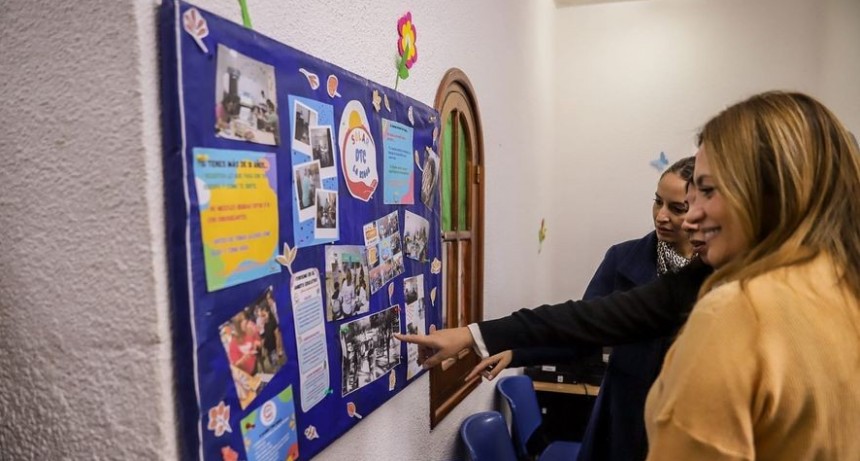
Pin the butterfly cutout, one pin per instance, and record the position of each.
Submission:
(410, 116)
(660, 163)
(385, 101)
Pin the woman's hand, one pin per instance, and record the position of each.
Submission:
(439, 344)
(490, 367)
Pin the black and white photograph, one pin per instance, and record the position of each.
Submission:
(429, 178)
(245, 103)
(369, 349)
(306, 178)
(303, 119)
(323, 149)
(346, 281)
(415, 231)
(325, 226)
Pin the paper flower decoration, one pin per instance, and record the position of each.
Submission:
(219, 419)
(406, 48)
(311, 433)
(406, 43)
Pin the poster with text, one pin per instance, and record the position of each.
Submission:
(397, 154)
(237, 195)
(269, 432)
(312, 352)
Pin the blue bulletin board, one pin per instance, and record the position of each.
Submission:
(303, 230)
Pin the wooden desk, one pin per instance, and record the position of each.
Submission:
(565, 408)
(565, 388)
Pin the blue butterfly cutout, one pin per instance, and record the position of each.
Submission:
(661, 163)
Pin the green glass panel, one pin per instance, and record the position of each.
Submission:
(447, 146)
(462, 156)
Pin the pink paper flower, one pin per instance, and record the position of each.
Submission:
(406, 42)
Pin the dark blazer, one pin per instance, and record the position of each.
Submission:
(616, 430)
(647, 312)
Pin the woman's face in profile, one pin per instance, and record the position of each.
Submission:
(669, 208)
(718, 236)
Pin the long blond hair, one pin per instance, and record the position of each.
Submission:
(790, 172)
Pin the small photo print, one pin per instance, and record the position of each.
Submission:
(388, 225)
(322, 144)
(254, 346)
(303, 119)
(429, 178)
(326, 222)
(306, 178)
(371, 234)
(245, 103)
(346, 281)
(413, 292)
(415, 232)
(369, 349)
(376, 279)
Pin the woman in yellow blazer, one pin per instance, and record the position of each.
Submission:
(768, 365)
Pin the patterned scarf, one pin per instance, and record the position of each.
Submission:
(668, 260)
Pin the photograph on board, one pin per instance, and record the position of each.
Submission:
(245, 102)
(346, 281)
(322, 145)
(254, 346)
(306, 178)
(415, 231)
(385, 253)
(303, 119)
(429, 177)
(326, 226)
(369, 349)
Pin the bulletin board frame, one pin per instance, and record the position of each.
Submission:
(302, 214)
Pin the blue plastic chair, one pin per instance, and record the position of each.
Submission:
(520, 394)
(486, 437)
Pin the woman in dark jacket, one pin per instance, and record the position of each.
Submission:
(616, 429)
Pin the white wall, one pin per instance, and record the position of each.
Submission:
(83, 273)
(640, 77)
(575, 102)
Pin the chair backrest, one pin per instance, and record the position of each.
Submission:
(486, 437)
(520, 394)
